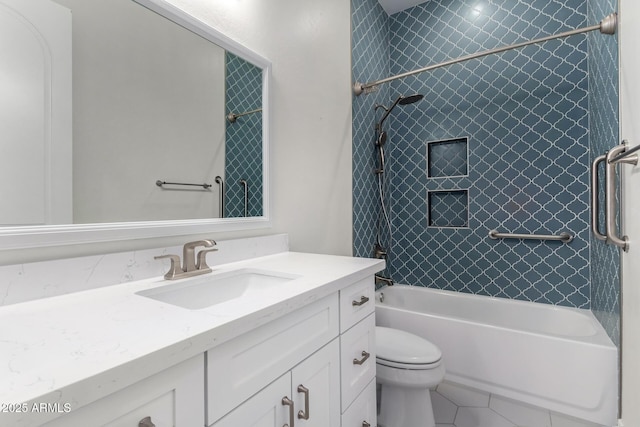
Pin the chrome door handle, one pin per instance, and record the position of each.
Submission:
(363, 300)
(288, 402)
(365, 356)
(304, 415)
(146, 422)
(595, 203)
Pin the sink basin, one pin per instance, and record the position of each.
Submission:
(211, 289)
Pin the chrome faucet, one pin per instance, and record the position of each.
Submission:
(189, 255)
(190, 267)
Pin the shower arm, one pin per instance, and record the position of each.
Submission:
(607, 26)
(387, 111)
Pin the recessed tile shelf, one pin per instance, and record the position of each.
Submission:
(448, 158)
(448, 208)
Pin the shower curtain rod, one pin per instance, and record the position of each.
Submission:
(232, 117)
(606, 26)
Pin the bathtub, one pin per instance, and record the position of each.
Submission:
(553, 357)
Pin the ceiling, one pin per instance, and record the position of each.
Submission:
(394, 6)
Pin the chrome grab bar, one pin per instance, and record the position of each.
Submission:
(613, 158)
(563, 237)
(220, 183)
(620, 158)
(618, 154)
(595, 202)
(246, 196)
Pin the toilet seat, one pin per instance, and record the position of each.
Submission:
(401, 349)
(408, 366)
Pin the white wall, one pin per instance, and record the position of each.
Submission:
(630, 130)
(148, 104)
(308, 42)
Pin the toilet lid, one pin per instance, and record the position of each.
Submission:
(402, 347)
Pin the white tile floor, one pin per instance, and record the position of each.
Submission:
(458, 406)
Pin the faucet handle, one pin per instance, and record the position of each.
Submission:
(175, 268)
(202, 259)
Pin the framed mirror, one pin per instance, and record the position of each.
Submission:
(169, 134)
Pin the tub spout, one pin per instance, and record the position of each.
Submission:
(381, 280)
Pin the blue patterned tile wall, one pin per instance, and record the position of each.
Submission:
(526, 115)
(243, 152)
(370, 60)
(603, 119)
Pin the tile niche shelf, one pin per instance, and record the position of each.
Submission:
(448, 208)
(448, 158)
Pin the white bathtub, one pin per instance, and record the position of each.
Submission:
(553, 357)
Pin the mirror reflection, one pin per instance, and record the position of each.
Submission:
(155, 106)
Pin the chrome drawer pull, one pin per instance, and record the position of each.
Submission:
(365, 356)
(365, 424)
(363, 300)
(146, 422)
(304, 415)
(288, 402)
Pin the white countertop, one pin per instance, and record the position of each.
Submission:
(80, 347)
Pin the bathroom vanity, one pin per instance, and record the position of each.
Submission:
(297, 352)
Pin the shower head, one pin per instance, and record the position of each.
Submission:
(406, 100)
(402, 100)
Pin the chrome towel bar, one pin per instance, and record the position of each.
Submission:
(161, 183)
(563, 237)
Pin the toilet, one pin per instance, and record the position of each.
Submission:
(407, 366)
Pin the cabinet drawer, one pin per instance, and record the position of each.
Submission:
(244, 365)
(356, 303)
(363, 411)
(357, 359)
(171, 398)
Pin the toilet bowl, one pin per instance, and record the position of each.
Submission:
(407, 366)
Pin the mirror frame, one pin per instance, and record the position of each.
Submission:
(68, 234)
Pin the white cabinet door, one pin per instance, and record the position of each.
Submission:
(265, 409)
(171, 398)
(317, 381)
(238, 368)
